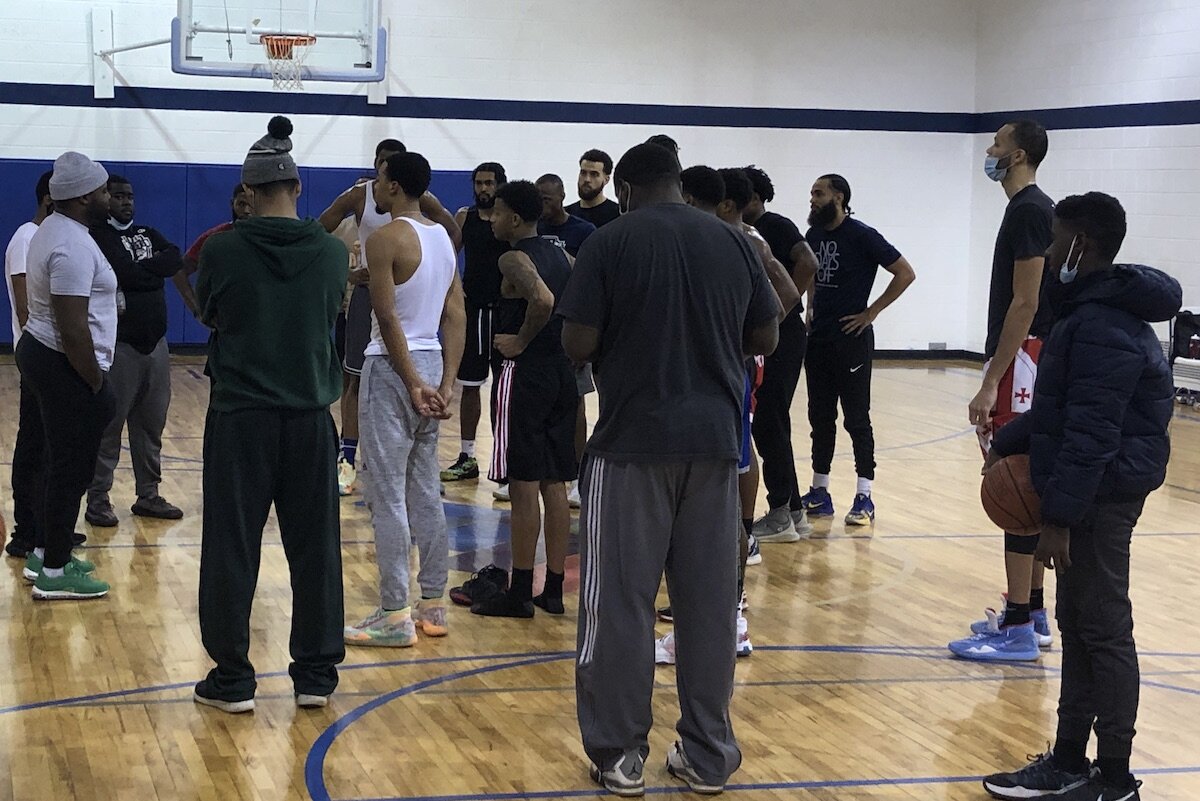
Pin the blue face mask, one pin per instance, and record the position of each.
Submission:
(991, 167)
(1065, 274)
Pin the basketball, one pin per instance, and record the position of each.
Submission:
(1009, 497)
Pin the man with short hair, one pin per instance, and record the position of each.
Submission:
(535, 419)
(1016, 324)
(64, 355)
(270, 289)
(663, 298)
(556, 223)
(785, 520)
(407, 385)
(28, 462)
(141, 370)
(842, 341)
(595, 171)
(481, 290)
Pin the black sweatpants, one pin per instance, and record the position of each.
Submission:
(254, 458)
(73, 419)
(1100, 678)
(772, 426)
(839, 370)
(28, 467)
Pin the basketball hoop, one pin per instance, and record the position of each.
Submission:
(285, 55)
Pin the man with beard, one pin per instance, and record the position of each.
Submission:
(481, 287)
(842, 339)
(595, 171)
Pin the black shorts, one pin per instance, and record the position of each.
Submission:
(358, 330)
(339, 337)
(536, 401)
(478, 355)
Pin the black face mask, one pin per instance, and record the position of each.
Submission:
(822, 215)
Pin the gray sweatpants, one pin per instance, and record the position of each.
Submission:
(142, 385)
(637, 519)
(397, 449)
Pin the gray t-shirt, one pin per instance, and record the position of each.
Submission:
(672, 291)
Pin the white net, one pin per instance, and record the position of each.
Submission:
(285, 55)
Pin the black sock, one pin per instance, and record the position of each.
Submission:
(748, 524)
(1016, 614)
(1115, 771)
(1037, 600)
(1071, 756)
(521, 588)
(554, 584)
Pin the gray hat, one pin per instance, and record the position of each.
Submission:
(270, 158)
(75, 175)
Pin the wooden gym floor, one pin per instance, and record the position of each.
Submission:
(850, 693)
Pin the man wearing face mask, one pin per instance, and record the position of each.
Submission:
(1015, 327)
(1098, 445)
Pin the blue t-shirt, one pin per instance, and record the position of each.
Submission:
(572, 233)
(848, 257)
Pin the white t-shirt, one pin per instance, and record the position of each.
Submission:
(14, 264)
(64, 260)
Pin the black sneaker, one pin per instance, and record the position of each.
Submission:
(1041, 778)
(503, 605)
(100, 513)
(482, 585)
(202, 695)
(18, 547)
(1097, 789)
(464, 469)
(553, 604)
(665, 615)
(78, 539)
(157, 507)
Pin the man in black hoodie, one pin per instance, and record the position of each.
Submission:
(1097, 441)
(140, 376)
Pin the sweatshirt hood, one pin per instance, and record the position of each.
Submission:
(287, 247)
(1144, 292)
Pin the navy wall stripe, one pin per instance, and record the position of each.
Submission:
(1175, 112)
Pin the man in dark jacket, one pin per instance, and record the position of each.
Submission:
(271, 289)
(140, 376)
(1097, 441)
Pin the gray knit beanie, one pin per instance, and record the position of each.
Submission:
(75, 175)
(270, 158)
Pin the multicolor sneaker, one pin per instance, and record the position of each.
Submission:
(463, 469)
(33, 566)
(776, 526)
(994, 620)
(817, 502)
(383, 629)
(624, 778)
(679, 767)
(73, 584)
(800, 522)
(1007, 644)
(754, 554)
(346, 476)
(862, 513)
(1041, 778)
(430, 617)
(1041, 627)
(482, 585)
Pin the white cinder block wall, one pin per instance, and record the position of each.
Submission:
(923, 190)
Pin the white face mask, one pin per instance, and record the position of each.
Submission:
(1068, 274)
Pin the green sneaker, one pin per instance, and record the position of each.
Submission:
(74, 583)
(33, 566)
(462, 470)
(383, 629)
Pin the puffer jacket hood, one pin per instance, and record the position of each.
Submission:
(1144, 292)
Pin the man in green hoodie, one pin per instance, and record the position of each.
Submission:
(271, 289)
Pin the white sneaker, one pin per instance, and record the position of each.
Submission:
(664, 649)
(800, 521)
(744, 648)
(573, 496)
(501, 494)
(346, 476)
(680, 768)
(754, 554)
(306, 701)
(776, 526)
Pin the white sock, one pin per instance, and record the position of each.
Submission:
(864, 486)
(821, 480)
(53, 572)
(40, 553)
(468, 447)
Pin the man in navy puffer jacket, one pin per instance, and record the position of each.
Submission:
(1097, 440)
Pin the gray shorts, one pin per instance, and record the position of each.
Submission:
(584, 382)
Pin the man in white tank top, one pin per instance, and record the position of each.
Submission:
(418, 325)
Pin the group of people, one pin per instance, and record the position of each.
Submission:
(681, 303)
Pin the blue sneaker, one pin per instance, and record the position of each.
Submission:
(1008, 644)
(995, 620)
(862, 513)
(817, 502)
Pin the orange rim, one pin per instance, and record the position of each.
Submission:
(280, 46)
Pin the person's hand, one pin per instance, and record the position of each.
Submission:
(446, 393)
(427, 402)
(979, 410)
(509, 345)
(1054, 548)
(857, 323)
(990, 460)
(360, 276)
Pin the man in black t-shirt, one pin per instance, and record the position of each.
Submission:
(1015, 325)
(595, 170)
(842, 340)
(666, 301)
(786, 519)
(572, 231)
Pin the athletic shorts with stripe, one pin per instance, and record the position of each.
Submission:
(1014, 396)
(754, 379)
(536, 403)
(479, 357)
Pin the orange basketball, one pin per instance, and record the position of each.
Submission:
(1009, 497)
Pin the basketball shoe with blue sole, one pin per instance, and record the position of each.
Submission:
(1040, 618)
(817, 502)
(1008, 644)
